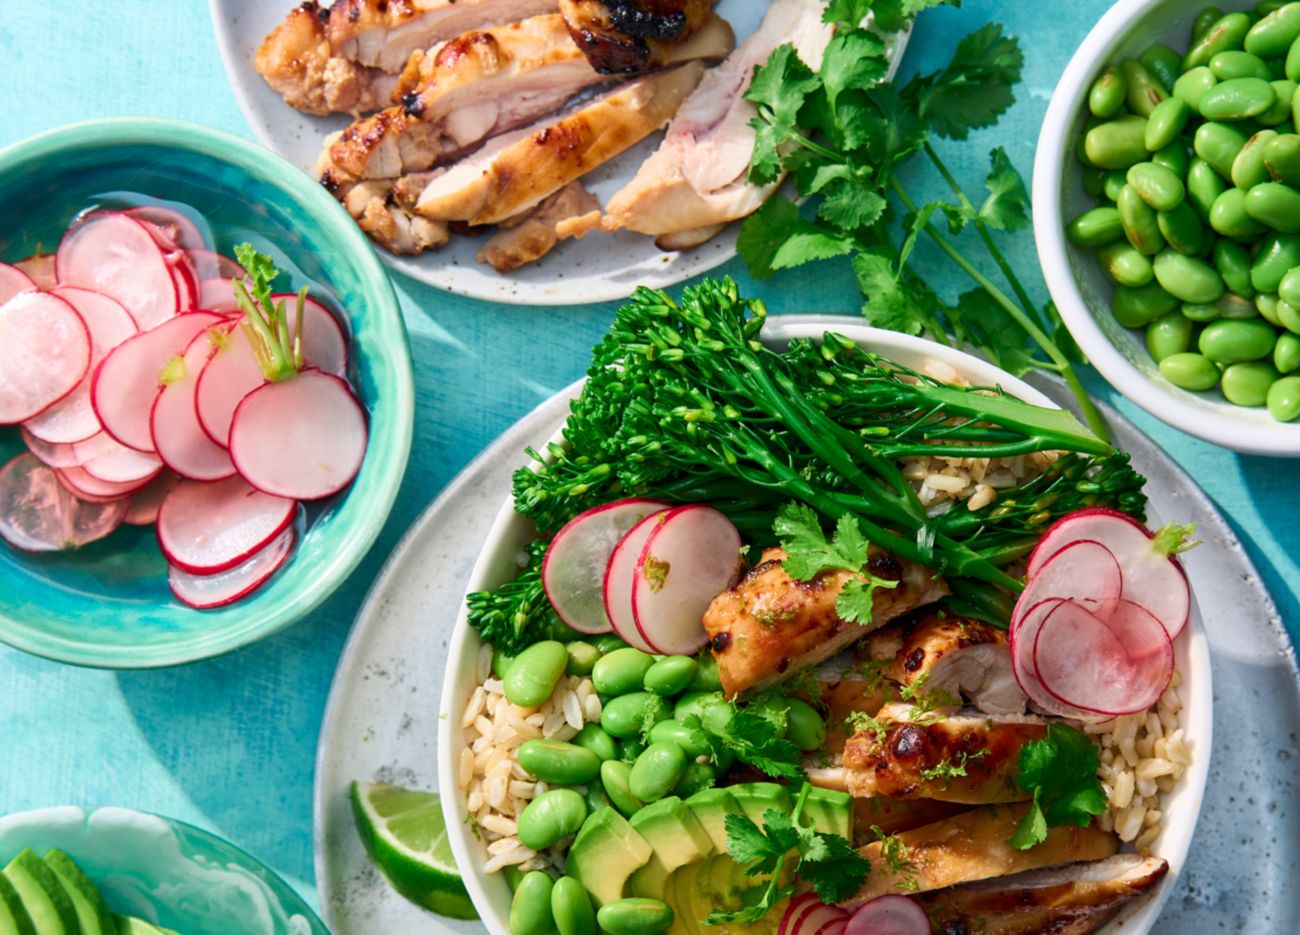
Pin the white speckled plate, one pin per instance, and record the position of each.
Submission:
(601, 267)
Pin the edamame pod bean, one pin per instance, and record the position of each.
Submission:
(557, 762)
(1125, 265)
(1138, 307)
(1275, 256)
(1288, 316)
(513, 876)
(595, 738)
(692, 741)
(1166, 122)
(694, 703)
(1204, 186)
(530, 910)
(1276, 205)
(1233, 64)
(657, 770)
(1111, 184)
(596, 798)
(670, 675)
(706, 677)
(1230, 218)
(1118, 144)
(1143, 90)
(1159, 187)
(1286, 353)
(1096, 227)
(1163, 62)
(1092, 181)
(1231, 342)
(621, 671)
(629, 748)
(805, 727)
(1272, 36)
(1189, 371)
(1173, 157)
(1192, 85)
(1233, 262)
(1247, 384)
(551, 817)
(614, 775)
(1229, 32)
(1282, 157)
(501, 663)
(1288, 290)
(535, 672)
(1292, 67)
(1236, 307)
(1266, 304)
(1106, 97)
(1238, 99)
(1284, 399)
(1218, 144)
(1201, 313)
(635, 915)
(697, 776)
(582, 657)
(608, 642)
(1204, 20)
(1187, 278)
(1265, 7)
(1282, 110)
(624, 716)
(1248, 169)
(1168, 335)
(571, 908)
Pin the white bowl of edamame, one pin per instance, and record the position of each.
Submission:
(1184, 256)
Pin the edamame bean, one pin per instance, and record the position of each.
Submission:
(635, 915)
(1247, 384)
(1189, 371)
(1092, 181)
(595, 738)
(1168, 335)
(614, 775)
(501, 663)
(1201, 313)
(530, 910)
(1229, 32)
(582, 657)
(1284, 399)
(1204, 20)
(596, 798)
(1248, 169)
(1143, 90)
(1118, 144)
(1230, 218)
(1096, 227)
(513, 876)
(696, 777)
(1166, 122)
(1138, 307)
(1106, 97)
(535, 672)
(1276, 255)
(1159, 187)
(657, 770)
(1273, 35)
(1163, 62)
(773, 709)
(1204, 186)
(1173, 157)
(1288, 316)
(621, 671)
(629, 748)
(571, 908)
(1292, 66)
(1282, 157)
(557, 762)
(806, 729)
(1236, 307)
(1233, 262)
(623, 716)
(694, 703)
(1125, 265)
(1238, 99)
(1192, 85)
(1276, 205)
(1231, 342)
(551, 817)
(1233, 64)
(1282, 110)
(692, 741)
(1286, 353)
(1265, 7)
(670, 675)
(1288, 290)
(608, 643)
(1112, 183)
(1266, 305)
(1218, 144)
(1187, 278)
(706, 677)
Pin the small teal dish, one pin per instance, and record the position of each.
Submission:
(108, 604)
(165, 871)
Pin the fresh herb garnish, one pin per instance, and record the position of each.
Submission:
(948, 769)
(750, 739)
(1061, 772)
(925, 703)
(809, 553)
(266, 323)
(862, 721)
(897, 859)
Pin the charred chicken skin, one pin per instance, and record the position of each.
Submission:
(627, 37)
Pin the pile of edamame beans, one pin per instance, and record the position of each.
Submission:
(609, 764)
(1195, 159)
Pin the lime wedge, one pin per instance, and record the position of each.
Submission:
(405, 835)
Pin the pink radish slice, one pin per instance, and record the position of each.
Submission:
(145, 503)
(689, 559)
(217, 295)
(1151, 578)
(889, 915)
(174, 424)
(88, 487)
(303, 438)
(795, 910)
(72, 418)
(616, 588)
(204, 592)
(186, 281)
(179, 230)
(53, 455)
(1106, 667)
(209, 265)
(1085, 572)
(38, 514)
(40, 268)
(44, 353)
(1023, 633)
(575, 562)
(820, 918)
(324, 343)
(13, 281)
(207, 528)
(125, 384)
(115, 254)
(113, 463)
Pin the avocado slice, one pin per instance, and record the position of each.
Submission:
(14, 919)
(830, 811)
(92, 912)
(605, 853)
(130, 925)
(755, 798)
(44, 897)
(711, 808)
(676, 838)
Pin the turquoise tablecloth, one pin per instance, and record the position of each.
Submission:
(229, 744)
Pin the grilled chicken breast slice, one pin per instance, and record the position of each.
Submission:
(1075, 899)
(626, 37)
(906, 755)
(770, 626)
(973, 846)
(570, 212)
(517, 170)
(698, 178)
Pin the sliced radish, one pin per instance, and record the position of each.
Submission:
(207, 528)
(1105, 667)
(44, 353)
(38, 514)
(54, 455)
(112, 253)
(14, 280)
(303, 438)
(820, 919)
(125, 384)
(178, 229)
(616, 588)
(798, 906)
(112, 462)
(73, 419)
(146, 502)
(186, 281)
(89, 487)
(1023, 633)
(217, 295)
(688, 560)
(575, 562)
(324, 343)
(204, 592)
(210, 265)
(174, 424)
(39, 267)
(1085, 572)
(892, 914)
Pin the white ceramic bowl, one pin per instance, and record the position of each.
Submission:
(511, 532)
(1079, 287)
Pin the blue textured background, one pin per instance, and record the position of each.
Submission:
(229, 744)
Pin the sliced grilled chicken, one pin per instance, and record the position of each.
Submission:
(892, 816)
(697, 180)
(966, 757)
(973, 846)
(1076, 899)
(570, 212)
(626, 37)
(770, 626)
(517, 170)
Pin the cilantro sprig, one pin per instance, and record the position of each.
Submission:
(809, 553)
(1061, 772)
(750, 738)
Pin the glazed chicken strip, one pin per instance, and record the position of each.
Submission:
(570, 212)
(697, 180)
(1076, 899)
(627, 37)
(516, 171)
(907, 754)
(769, 626)
(973, 846)
(894, 815)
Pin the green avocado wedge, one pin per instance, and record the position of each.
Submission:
(14, 919)
(92, 911)
(44, 897)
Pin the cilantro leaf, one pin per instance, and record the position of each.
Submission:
(774, 237)
(990, 328)
(808, 551)
(848, 13)
(915, 225)
(750, 739)
(1007, 206)
(778, 91)
(888, 304)
(832, 865)
(975, 88)
(856, 601)
(1031, 830)
(853, 59)
(1061, 772)
(260, 268)
(748, 846)
(849, 205)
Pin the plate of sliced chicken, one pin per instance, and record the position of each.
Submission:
(528, 151)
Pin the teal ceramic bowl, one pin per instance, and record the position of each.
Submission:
(165, 871)
(108, 604)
